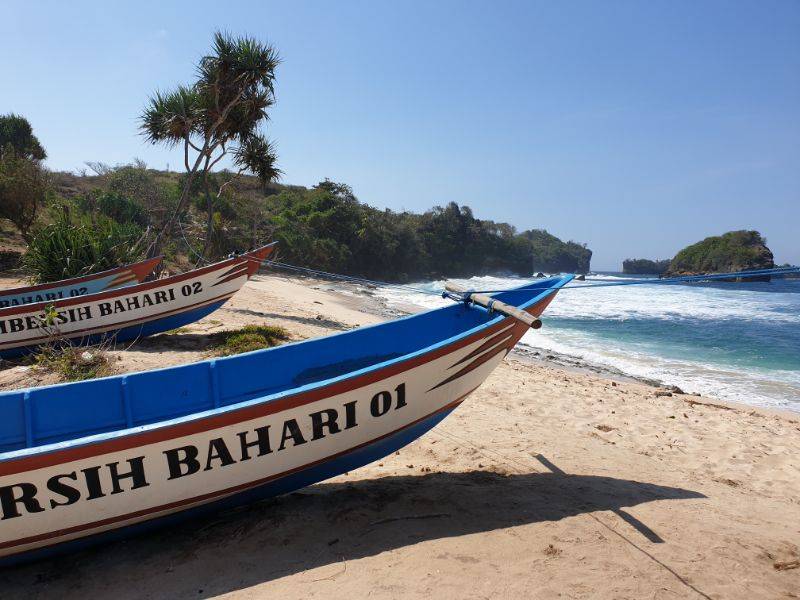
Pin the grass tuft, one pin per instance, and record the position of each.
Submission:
(73, 363)
(177, 331)
(247, 339)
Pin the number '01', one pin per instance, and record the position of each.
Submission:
(381, 402)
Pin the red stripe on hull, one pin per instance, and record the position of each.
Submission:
(517, 332)
(234, 273)
(142, 270)
(120, 279)
(506, 333)
(256, 257)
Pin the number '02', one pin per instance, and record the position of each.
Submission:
(381, 402)
(192, 288)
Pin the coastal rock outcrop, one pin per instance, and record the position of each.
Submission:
(644, 266)
(733, 251)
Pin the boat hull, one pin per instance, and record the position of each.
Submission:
(79, 286)
(284, 485)
(106, 458)
(127, 313)
(258, 450)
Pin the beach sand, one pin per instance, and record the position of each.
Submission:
(546, 483)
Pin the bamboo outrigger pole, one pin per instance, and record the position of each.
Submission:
(492, 305)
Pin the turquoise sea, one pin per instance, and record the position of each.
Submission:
(737, 342)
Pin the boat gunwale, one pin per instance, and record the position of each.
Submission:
(108, 436)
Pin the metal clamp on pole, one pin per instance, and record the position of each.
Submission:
(492, 305)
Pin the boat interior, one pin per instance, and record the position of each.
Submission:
(36, 417)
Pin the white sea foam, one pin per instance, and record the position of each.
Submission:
(777, 389)
(671, 302)
(669, 305)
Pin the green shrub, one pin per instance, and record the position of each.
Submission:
(24, 185)
(221, 205)
(247, 339)
(142, 186)
(75, 245)
(114, 206)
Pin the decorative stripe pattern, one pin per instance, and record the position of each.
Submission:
(501, 343)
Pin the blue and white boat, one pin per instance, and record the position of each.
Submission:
(80, 462)
(79, 286)
(130, 312)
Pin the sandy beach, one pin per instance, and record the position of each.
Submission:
(549, 482)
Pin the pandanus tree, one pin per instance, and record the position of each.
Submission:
(220, 115)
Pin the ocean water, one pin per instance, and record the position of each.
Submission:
(737, 342)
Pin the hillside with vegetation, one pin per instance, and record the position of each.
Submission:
(644, 266)
(733, 251)
(324, 227)
(95, 221)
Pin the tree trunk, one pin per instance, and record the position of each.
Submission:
(210, 217)
(26, 235)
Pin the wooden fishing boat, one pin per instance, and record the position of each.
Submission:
(79, 286)
(128, 313)
(85, 461)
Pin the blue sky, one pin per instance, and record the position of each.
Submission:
(635, 127)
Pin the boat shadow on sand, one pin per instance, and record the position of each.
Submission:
(327, 524)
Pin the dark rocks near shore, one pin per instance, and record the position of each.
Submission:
(644, 266)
